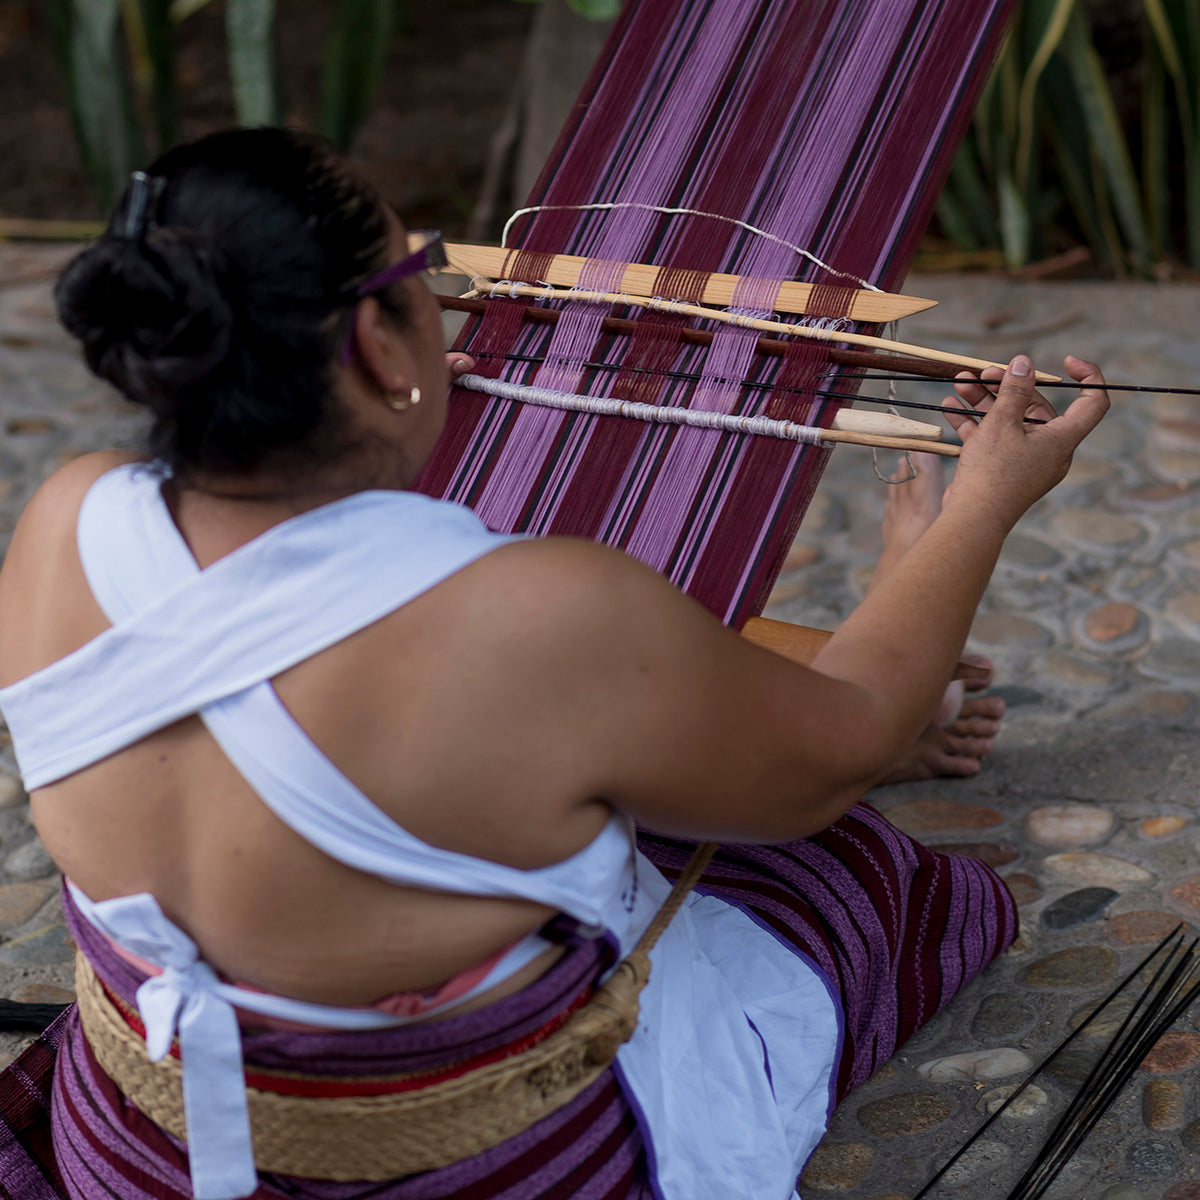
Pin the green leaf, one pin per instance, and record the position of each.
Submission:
(1015, 229)
(358, 49)
(84, 33)
(1156, 193)
(596, 10)
(248, 27)
(1046, 24)
(1106, 136)
(182, 9)
(152, 59)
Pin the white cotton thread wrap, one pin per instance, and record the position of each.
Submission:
(609, 406)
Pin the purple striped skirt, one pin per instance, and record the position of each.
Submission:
(895, 928)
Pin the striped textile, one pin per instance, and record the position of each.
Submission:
(895, 928)
(830, 125)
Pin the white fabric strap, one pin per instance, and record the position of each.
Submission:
(332, 572)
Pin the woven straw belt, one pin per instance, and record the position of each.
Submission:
(375, 1138)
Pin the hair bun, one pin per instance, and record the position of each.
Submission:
(151, 314)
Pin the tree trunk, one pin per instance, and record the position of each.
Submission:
(558, 56)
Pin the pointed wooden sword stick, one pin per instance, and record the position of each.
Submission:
(945, 367)
(703, 337)
(813, 332)
(646, 281)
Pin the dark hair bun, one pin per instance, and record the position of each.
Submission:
(223, 320)
(150, 313)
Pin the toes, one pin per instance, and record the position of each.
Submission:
(992, 707)
(983, 663)
(985, 727)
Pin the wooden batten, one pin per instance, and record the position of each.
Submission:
(641, 279)
(800, 644)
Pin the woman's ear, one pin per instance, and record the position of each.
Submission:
(381, 351)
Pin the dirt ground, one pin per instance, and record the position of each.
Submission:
(445, 90)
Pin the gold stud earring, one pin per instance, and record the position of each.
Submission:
(406, 402)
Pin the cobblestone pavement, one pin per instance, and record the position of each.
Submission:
(1087, 806)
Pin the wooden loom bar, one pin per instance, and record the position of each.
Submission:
(816, 333)
(867, 359)
(642, 279)
(800, 644)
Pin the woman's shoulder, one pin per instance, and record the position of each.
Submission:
(55, 503)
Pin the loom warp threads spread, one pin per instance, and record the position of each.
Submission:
(825, 124)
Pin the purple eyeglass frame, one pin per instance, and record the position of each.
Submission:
(430, 257)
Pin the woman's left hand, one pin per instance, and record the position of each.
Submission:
(459, 363)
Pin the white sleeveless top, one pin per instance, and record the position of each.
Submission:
(723, 1115)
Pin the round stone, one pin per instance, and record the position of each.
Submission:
(30, 861)
(1022, 550)
(1172, 658)
(1025, 889)
(44, 947)
(1173, 1052)
(1009, 630)
(1185, 612)
(904, 1114)
(1002, 1013)
(19, 901)
(1098, 528)
(1069, 826)
(1152, 705)
(11, 791)
(1107, 1021)
(26, 425)
(1152, 1157)
(801, 555)
(932, 816)
(1190, 1135)
(43, 993)
(1077, 908)
(995, 854)
(1075, 672)
(1162, 827)
(1028, 1104)
(1186, 893)
(1113, 628)
(1074, 967)
(978, 1064)
(1111, 621)
(1098, 870)
(837, 1167)
(1075, 1063)
(1162, 1104)
(1120, 1191)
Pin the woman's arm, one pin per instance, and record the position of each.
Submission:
(690, 729)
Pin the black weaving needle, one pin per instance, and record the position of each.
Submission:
(1108, 387)
(1174, 935)
(1133, 1041)
(696, 377)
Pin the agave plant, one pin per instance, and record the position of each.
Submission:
(1048, 144)
(117, 60)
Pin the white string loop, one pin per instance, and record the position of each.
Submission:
(685, 212)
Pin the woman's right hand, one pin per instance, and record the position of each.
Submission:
(1006, 464)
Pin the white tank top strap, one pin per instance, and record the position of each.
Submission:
(295, 590)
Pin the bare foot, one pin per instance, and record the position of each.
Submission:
(911, 507)
(964, 728)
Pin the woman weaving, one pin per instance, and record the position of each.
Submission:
(302, 739)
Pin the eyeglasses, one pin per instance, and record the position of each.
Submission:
(430, 256)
